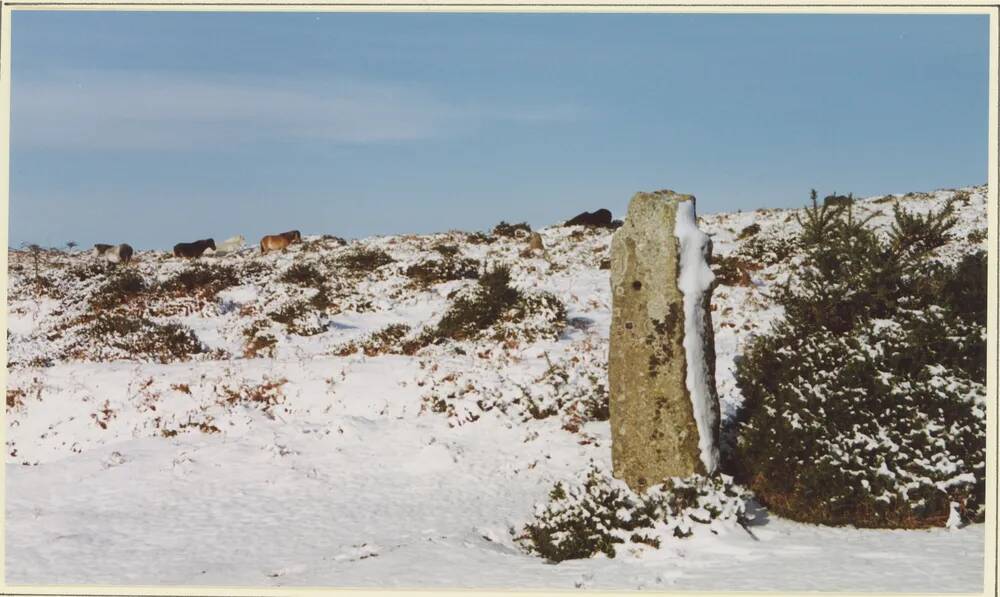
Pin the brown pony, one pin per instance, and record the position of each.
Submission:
(195, 249)
(279, 242)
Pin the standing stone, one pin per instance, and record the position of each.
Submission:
(535, 242)
(535, 248)
(654, 424)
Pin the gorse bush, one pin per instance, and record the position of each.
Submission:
(435, 271)
(363, 260)
(303, 274)
(204, 279)
(511, 230)
(137, 336)
(121, 287)
(494, 304)
(866, 405)
(596, 514)
(479, 310)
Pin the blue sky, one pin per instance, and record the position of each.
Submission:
(154, 128)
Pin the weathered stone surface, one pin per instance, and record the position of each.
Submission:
(535, 242)
(535, 248)
(653, 428)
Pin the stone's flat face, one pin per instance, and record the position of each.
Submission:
(653, 430)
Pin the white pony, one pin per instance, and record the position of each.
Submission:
(232, 244)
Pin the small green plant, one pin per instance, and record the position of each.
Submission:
(595, 514)
(921, 233)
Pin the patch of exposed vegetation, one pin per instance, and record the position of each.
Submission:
(259, 342)
(388, 340)
(732, 270)
(299, 318)
(748, 231)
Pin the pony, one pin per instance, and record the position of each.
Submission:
(279, 242)
(195, 249)
(114, 253)
(231, 244)
(596, 219)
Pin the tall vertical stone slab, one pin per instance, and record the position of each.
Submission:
(661, 367)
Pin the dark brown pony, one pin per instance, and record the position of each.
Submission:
(293, 236)
(595, 219)
(195, 249)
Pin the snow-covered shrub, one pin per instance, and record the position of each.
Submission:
(866, 405)
(121, 287)
(300, 317)
(204, 279)
(362, 261)
(435, 271)
(303, 274)
(595, 512)
(494, 303)
(109, 336)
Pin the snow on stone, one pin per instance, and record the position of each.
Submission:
(694, 280)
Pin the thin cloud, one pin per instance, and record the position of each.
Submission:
(143, 110)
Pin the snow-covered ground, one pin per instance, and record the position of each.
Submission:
(312, 468)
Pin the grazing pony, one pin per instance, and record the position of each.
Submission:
(279, 242)
(114, 253)
(596, 219)
(293, 236)
(231, 244)
(195, 249)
